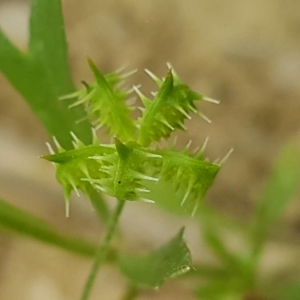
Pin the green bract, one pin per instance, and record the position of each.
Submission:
(122, 169)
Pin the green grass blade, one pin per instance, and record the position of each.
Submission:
(14, 64)
(19, 221)
(289, 292)
(47, 44)
(279, 191)
(42, 75)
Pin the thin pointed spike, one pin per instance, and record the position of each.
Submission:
(145, 177)
(180, 109)
(152, 155)
(211, 100)
(169, 65)
(121, 69)
(75, 189)
(142, 190)
(97, 157)
(58, 146)
(124, 76)
(193, 109)
(226, 157)
(204, 117)
(95, 140)
(195, 209)
(186, 195)
(73, 135)
(188, 145)
(50, 149)
(81, 120)
(69, 96)
(100, 188)
(67, 208)
(181, 125)
(165, 122)
(204, 145)
(85, 171)
(157, 80)
(77, 143)
(216, 161)
(76, 103)
(143, 98)
(147, 200)
(98, 126)
(83, 100)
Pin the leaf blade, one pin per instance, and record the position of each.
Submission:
(281, 186)
(152, 269)
(22, 222)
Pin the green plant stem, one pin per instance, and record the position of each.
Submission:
(103, 250)
(17, 220)
(99, 204)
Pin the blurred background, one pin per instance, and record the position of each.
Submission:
(244, 53)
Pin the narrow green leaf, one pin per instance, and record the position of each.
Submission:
(220, 249)
(43, 75)
(24, 223)
(14, 64)
(152, 269)
(48, 46)
(220, 290)
(281, 187)
(289, 292)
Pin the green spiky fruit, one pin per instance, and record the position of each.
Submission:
(125, 172)
(120, 169)
(173, 103)
(105, 104)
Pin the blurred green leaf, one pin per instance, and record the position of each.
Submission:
(152, 269)
(222, 290)
(42, 75)
(220, 249)
(22, 222)
(281, 187)
(289, 292)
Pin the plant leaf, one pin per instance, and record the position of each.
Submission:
(48, 45)
(281, 187)
(43, 75)
(152, 269)
(24, 223)
(14, 64)
(289, 292)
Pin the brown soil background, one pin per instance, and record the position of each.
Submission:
(245, 53)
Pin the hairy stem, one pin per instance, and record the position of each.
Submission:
(103, 250)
